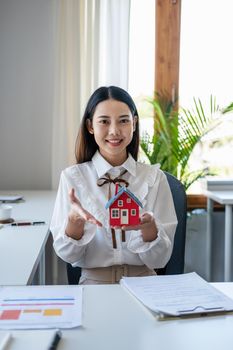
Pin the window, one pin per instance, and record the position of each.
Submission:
(206, 57)
(133, 212)
(142, 61)
(128, 200)
(141, 49)
(115, 213)
(120, 203)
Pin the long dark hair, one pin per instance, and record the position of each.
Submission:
(85, 146)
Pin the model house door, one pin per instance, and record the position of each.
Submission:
(124, 216)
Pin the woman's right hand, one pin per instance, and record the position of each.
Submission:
(77, 218)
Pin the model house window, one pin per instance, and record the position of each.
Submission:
(128, 200)
(120, 203)
(133, 212)
(115, 213)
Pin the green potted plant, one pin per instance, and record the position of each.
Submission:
(176, 133)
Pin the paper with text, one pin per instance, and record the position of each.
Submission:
(37, 307)
(178, 295)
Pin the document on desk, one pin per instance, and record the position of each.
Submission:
(178, 295)
(38, 307)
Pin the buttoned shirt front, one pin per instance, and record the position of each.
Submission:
(94, 249)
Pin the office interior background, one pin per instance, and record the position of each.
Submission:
(53, 54)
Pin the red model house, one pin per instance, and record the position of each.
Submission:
(124, 208)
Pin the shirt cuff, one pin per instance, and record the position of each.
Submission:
(137, 245)
(89, 233)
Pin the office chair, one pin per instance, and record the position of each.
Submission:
(176, 263)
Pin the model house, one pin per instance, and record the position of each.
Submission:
(124, 208)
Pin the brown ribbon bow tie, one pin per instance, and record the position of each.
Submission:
(117, 180)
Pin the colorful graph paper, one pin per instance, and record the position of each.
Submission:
(40, 307)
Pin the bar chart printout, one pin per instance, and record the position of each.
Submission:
(38, 307)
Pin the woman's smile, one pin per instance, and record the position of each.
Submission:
(115, 142)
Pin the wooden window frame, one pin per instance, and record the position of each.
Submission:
(199, 201)
(167, 47)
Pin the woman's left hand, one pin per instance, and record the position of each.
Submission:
(147, 226)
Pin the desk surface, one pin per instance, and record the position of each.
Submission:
(21, 247)
(222, 197)
(114, 320)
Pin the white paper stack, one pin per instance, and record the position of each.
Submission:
(178, 295)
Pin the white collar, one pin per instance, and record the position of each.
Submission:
(102, 166)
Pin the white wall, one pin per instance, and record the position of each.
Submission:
(26, 93)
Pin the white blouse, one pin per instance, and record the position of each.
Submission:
(147, 182)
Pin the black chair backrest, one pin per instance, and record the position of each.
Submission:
(176, 262)
(73, 273)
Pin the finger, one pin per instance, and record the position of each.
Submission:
(90, 218)
(95, 222)
(77, 208)
(87, 216)
(148, 214)
(146, 217)
(73, 197)
(72, 193)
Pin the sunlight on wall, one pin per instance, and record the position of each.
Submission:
(142, 48)
(141, 60)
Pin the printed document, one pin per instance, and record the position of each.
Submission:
(178, 295)
(37, 307)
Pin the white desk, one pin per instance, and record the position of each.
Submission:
(225, 198)
(115, 320)
(22, 248)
